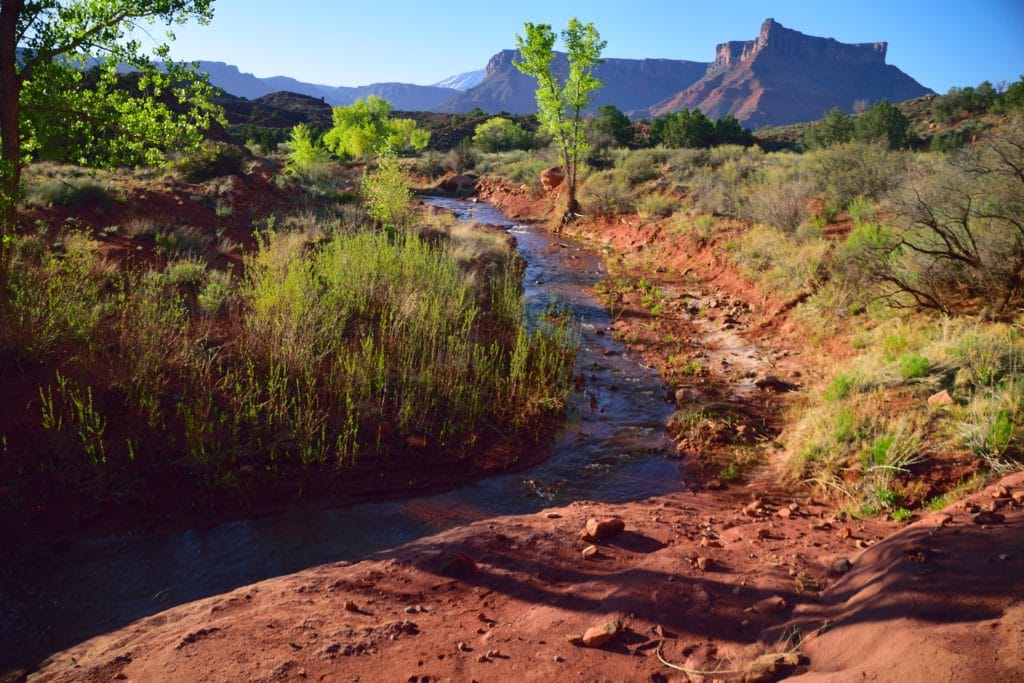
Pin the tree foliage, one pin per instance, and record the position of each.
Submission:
(561, 104)
(365, 128)
(833, 128)
(61, 95)
(500, 135)
(613, 123)
(306, 151)
(884, 122)
(683, 128)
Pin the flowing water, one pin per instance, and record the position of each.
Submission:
(611, 448)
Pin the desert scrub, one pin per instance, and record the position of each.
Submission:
(849, 441)
(655, 205)
(786, 264)
(605, 193)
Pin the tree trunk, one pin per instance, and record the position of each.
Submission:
(10, 136)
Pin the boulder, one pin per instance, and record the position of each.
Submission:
(461, 185)
(551, 178)
(598, 529)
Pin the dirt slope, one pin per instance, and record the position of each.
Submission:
(497, 600)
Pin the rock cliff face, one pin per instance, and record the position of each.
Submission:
(784, 76)
(628, 83)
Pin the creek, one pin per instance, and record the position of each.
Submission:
(612, 447)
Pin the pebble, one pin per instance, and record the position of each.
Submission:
(350, 606)
(705, 563)
(589, 552)
(597, 636)
(776, 603)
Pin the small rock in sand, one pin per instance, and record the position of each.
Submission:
(599, 529)
(705, 563)
(776, 603)
(940, 399)
(350, 606)
(589, 552)
(599, 635)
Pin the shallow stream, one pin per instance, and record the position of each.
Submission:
(611, 448)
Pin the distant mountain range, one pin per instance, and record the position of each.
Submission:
(781, 77)
(401, 95)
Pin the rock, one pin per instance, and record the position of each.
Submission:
(599, 635)
(705, 563)
(416, 442)
(987, 517)
(753, 509)
(599, 529)
(785, 513)
(462, 647)
(558, 659)
(1001, 492)
(589, 552)
(822, 526)
(462, 185)
(350, 606)
(710, 543)
(942, 520)
(1018, 497)
(773, 383)
(841, 566)
(459, 564)
(684, 396)
(768, 667)
(940, 399)
(764, 534)
(776, 603)
(551, 178)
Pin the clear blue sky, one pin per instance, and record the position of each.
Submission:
(938, 42)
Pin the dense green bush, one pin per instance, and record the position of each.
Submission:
(211, 160)
(501, 135)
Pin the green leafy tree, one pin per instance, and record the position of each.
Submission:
(683, 128)
(500, 135)
(834, 128)
(883, 122)
(561, 105)
(306, 150)
(51, 106)
(728, 131)
(387, 195)
(612, 122)
(365, 128)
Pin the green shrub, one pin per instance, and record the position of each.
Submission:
(605, 194)
(642, 165)
(501, 135)
(655, 205)
(852, 170)
(387, 194)
(71, 192)
(210, 160)
(914, 366)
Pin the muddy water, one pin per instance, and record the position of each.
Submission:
(611, 448)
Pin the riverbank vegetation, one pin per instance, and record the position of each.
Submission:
(905, 263)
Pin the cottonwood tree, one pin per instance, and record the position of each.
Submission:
(561, 104)
(365, 128)
(61, 95)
